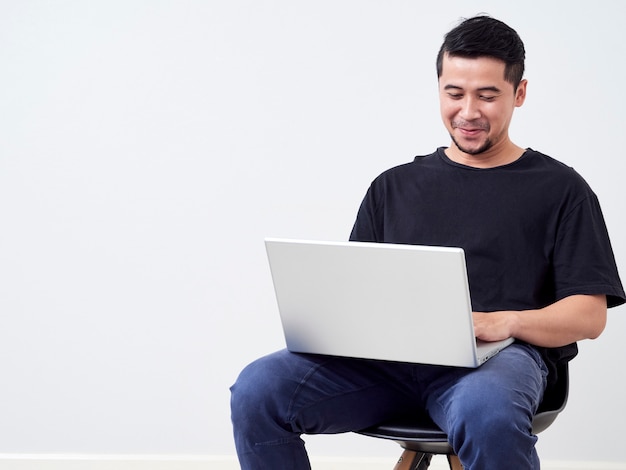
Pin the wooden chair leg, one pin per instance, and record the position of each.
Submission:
(454, 462)
(411, 460)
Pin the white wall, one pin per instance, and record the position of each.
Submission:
(147, 147)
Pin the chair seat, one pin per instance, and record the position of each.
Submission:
(424, 437)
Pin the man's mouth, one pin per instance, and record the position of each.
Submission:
(468, 129)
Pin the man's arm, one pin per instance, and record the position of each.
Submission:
(568, 320)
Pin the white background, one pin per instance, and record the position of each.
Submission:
(148, 147)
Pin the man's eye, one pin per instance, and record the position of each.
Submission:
(455, 96)
(487, 98)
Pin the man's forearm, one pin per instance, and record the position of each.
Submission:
(571, 319)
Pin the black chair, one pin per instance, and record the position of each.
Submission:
(421, 440)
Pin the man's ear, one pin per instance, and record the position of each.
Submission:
(520, 93)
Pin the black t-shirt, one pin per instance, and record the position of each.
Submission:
(532, 231)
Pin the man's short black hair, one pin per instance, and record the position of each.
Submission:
(483, 36)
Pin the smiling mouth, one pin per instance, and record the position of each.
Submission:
(470, 130)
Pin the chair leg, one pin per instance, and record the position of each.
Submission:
(454, 462)
(411, 460)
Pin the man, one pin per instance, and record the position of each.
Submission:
(540, 265)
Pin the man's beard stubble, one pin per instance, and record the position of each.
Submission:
(483, 148)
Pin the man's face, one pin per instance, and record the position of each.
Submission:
(477, 104)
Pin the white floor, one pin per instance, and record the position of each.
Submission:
(191, 462)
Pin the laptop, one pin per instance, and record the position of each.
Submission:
(383, 301)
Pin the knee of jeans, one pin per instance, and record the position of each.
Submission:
(246, 391)
(478, 420)
(256, 392)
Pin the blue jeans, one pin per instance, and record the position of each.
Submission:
(486, 412)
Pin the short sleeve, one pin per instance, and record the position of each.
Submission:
(584, 262)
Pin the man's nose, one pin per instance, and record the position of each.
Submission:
(470, 109)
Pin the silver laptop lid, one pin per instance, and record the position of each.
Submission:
(370, 300)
